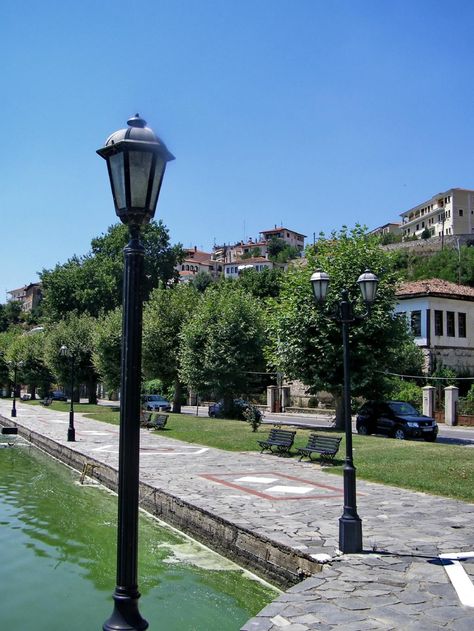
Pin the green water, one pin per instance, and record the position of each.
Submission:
(57, 568)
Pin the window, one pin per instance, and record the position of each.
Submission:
(461, 324)
(461, 212)
(438, 321)
(450, 323)
(416, 323)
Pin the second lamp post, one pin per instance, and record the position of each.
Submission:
(350, 524)
(65, 352)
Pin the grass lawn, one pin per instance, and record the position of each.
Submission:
(430, 467)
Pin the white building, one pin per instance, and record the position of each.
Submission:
(448, 213)
(441, 317)
(258, 263)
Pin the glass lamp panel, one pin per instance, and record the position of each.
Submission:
(368, 286)
(320, 283)
(157, 179)
(139, 165)
(118, 179)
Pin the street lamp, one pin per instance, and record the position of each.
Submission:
(15, 366)
(350, 524)
(136, 161)
(65, 352)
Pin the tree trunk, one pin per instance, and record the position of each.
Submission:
(177, 397)
(92, 391)
(339, 403)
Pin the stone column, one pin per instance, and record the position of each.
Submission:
(285, 397)
(451, 395)
(428, 400)
(272, 398)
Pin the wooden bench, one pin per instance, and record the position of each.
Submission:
(282, 439)
(326, 446)
(154, 420)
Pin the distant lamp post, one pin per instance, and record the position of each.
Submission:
(350, 524)
(65, 352)
(15, 366)
(136, 161)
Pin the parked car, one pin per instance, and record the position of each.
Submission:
(155, 403)
(239, 406)
(57, 395)
(395, 418)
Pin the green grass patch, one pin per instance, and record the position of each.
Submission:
(83, 408)
(434, 468)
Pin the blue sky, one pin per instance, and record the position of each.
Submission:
(309, 113)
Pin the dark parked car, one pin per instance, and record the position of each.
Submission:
(395, 418)
(239, 407)
(155, 403)
(57, 395)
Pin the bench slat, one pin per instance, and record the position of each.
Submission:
(326, 446)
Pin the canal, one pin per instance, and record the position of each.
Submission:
(58, 546)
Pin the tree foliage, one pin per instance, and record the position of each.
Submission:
(452, 264)
(92, 283)
(307, 343)
(223, 343)
(77, 334)
(107, 345)
(264, 284)
(166, 314)
(34, 372)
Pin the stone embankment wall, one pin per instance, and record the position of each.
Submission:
(434, 244)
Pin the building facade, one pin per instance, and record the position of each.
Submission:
(441, 317)
(29, 296)
(448, 213)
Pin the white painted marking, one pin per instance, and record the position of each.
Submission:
(92, 433)
(108, 448)
(256, 479)
(113, 449)
(290, 489)
(53, 420)
(458, 576)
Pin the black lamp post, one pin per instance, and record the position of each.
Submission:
(65, 352)
(136, 161)
(350, 524)
(15, 366)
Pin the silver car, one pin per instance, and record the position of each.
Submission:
(156, 403)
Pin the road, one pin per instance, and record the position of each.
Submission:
(448, 435)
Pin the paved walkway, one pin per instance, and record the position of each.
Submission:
(285, 514)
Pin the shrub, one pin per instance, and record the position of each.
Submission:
(253, 416)
(408, 391)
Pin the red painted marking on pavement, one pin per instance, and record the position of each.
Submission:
(267, 496)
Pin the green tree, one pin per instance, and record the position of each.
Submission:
(201, 281)
(280, 251)
(34, 373)
(77, 334)
(306, 342)
(223, 343)
(92, 284)
(107, 347)
(166, 315)
(264, 284)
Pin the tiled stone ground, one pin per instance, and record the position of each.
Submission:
(398, 583)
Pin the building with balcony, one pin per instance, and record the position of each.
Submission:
(196, 261)
(448, 213)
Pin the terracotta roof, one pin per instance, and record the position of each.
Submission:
(196, 255)
(251, 261)
(278, 228)
(435, 287)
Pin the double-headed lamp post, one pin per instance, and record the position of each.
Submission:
(65, 352)
(350, 524)
(15, 365)
(136, 161)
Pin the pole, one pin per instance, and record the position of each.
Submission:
(125, 615)
(71, 432)
(13, 412)
(350, 524)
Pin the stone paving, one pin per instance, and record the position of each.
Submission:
(283, 515)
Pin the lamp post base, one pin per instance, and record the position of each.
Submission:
(350, 534)
(71, 435)
(125, 616)
(13, 412)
